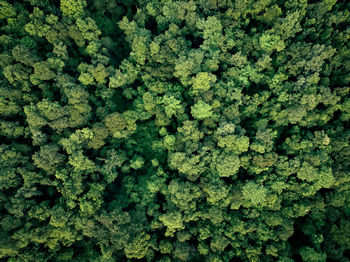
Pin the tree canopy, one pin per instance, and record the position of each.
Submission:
(175, 130)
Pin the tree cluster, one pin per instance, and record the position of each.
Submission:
(175, 130)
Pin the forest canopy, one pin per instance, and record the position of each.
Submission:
(175, 130)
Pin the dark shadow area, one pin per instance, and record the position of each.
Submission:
(196, 41)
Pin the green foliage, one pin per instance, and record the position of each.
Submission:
(203, 81)
(227, 164)
(149, 130)
(255, 194)
(201, 110)
(73, 8)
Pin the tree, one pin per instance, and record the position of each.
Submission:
(73, 8)
(253, 193)
(48, 158)
(201, 110)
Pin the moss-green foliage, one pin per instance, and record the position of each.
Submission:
(202, 130)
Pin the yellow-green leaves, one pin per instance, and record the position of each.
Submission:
(254, 193)
(6, 10)
(172, 106)
(201, 110)
(138, 247)
(115, 122)
(203, 81)
(238, 144)
(121, 125)
(322, 178)
(48, 157)
(140, 49)
(73, 8)
(270, 42)
(42, 71)
(227, 164)
(172, 222)
(91, 75)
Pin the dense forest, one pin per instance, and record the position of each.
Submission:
(174, 130)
